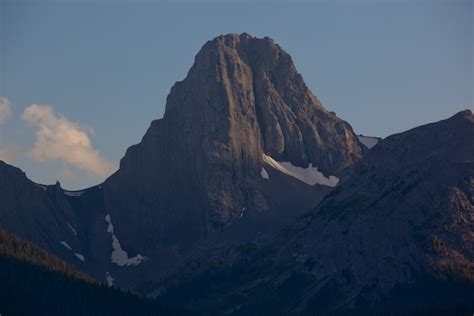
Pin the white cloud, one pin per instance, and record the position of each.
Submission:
(5, 110)
(60, 139)
(9, 153)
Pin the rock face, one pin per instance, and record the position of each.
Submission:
(200, 165)
(396, 236)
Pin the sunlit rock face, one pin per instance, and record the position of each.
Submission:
(200, 165)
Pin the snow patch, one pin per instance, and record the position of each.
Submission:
(264, 173)
(109, 279)
(72, 228)
(73, 193)
(65, 244)
(110, 227)
(120, 256)
(242, 211)
(368, 141)
(309, 175)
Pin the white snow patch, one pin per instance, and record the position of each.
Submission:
(368, 141)
(120, 256)
(65, 244)
(109, 279)
(242, 212)
(73, 193)
(309, 175)
(110, 227)
(264, 173)
(78, 255)
(72, 228)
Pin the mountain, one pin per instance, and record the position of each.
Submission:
(37, 282)
(244, 148)
(249, 197)
(395, 238)
(200, 166)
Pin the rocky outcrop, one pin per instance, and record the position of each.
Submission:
(199, 166)
(397, 236)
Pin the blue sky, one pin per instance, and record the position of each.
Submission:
(105, 67)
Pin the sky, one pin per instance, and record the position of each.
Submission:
(80, 81)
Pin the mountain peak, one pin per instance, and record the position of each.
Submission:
(244, 77)
(245, 42)
(242, 99)
(232, 39)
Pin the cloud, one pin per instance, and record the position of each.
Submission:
(9, 153)
(57, 138)
(5, 110)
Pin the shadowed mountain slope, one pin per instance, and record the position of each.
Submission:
(397, 236)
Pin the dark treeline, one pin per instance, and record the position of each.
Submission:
(34, 282)
(12, 246)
